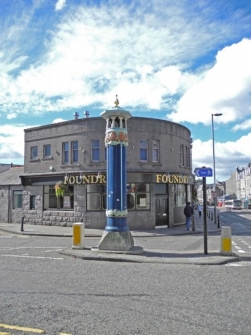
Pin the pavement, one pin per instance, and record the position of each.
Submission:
(136, 254)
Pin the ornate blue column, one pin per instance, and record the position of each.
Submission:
(116, 235)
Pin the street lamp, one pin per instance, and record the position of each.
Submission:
(214, 194)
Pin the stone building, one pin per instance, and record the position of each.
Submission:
(11, 194)
(70, 158)
(243, 185)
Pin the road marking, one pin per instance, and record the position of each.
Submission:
(17, 248)
(25, 329)
(35, 257)
(53, 250)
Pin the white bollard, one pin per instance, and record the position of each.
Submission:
(78, 235)
(226, 241)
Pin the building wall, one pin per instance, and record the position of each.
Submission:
(4, 203)
(170, 135)
(47, 171)
(7, 212)
(231, 184)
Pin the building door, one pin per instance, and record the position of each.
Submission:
(161, 210)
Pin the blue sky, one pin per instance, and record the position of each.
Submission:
(178, 60)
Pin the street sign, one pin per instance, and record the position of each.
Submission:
(203, 172)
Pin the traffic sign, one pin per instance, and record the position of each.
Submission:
(203, 172)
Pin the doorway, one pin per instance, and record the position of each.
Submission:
(161, 210)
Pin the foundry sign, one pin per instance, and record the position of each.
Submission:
(101, 179)
(85, 179)
(171, 179)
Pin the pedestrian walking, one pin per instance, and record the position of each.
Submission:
(199, 210)
(188, 211)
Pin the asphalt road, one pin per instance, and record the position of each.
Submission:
(42, 291)
(240, 223)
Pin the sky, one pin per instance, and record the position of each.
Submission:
(181, 61)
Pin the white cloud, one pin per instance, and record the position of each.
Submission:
(12, 143)
(58, 120)
(140, 52)
(228, 155)
(60, 4)
(225, 88)
(243, 126)
(11, 116)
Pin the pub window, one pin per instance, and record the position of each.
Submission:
(32, 202)
(65, 152)
(155, 151)
(144, 150)
(179, 195)
(130, 201)
(65, 202)
(47, 151)
(138, 196)
(74, 147)
(34, 152)
(96, 197)
(95, 150)
(17, 199)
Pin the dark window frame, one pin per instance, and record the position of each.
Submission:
(144, 147)
(17, 199)
(95, 150)
(47, 150)
(34, 152)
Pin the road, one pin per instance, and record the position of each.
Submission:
(44, 292)
(240, 223)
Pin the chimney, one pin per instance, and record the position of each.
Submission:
(76, 115)
(86, 113)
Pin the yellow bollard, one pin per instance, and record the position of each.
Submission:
(226, 241)
(78, 235)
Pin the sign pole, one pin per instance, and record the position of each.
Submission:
(204, 172)
(205, 214)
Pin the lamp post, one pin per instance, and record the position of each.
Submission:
(214, 194)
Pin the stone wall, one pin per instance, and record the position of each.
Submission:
(4, 204)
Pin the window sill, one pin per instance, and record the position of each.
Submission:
(96, 163)
(32, 160)
(69, 165)
(156, 164)
(149, 164)
(49, 158)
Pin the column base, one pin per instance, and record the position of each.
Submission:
(116, 241)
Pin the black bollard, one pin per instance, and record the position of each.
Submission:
(193, 225)
(22, 224)
(212, 216)
(218, 225)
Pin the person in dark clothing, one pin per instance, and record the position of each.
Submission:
(188, 211)
(199, 210)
